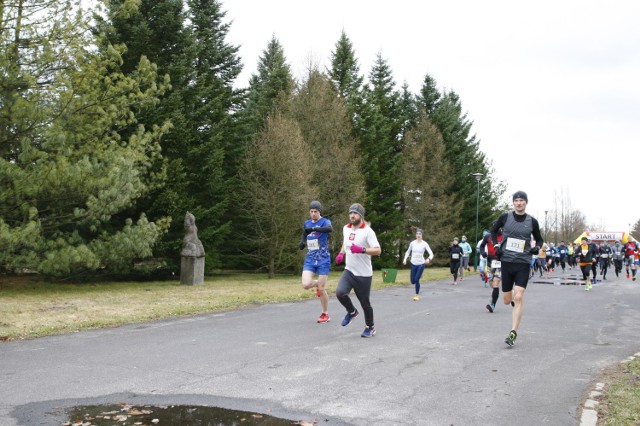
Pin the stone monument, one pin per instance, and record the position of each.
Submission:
(192, 264)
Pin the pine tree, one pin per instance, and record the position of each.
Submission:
(65, 170)
(379, 128)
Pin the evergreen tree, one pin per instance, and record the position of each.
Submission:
(428, 203)
(463, 154)
(379, 126)
(65, 170)
(429, 96)
(271, 86)
(201, 150)
(345, 71)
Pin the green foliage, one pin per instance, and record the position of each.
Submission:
(378, 127)
(65, 170)
(201, 151)
(427, 202)
(274, 197)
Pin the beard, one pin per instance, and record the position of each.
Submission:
(356, 222)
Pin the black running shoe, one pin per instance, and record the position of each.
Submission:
(511, 338)
(513, 303)
(490, 308)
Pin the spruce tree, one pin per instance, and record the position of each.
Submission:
(379, 128)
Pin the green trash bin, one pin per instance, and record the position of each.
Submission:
(389, 275)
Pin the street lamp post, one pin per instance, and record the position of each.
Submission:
(478, 176)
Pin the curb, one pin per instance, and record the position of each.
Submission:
(589, 415)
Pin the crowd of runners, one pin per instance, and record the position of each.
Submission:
(511, 253)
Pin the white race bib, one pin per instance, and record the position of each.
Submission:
(455, 256)
(417, 256)
(313, 244)
(604, 255)
(515, 244)
(495, 264)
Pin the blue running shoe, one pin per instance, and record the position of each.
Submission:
(347, 319)
(368, 332)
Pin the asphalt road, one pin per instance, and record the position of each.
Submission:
(439, 361)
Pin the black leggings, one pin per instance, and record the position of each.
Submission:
(454, 266)
(586, 269)
(362, 288)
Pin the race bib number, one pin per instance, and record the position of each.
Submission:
(313, 244)
(417, 256)
(604, 255)
(455, 256)
(515, 245)
(496, 264)
(585, 251)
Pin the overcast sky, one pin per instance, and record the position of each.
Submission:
(552, 87)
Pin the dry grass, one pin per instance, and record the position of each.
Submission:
(31, 308)
(620, 402)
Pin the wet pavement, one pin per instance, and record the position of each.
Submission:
(438, 361)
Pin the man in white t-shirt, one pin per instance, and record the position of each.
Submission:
(359, 244)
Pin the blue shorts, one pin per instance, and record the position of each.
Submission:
(317, 266)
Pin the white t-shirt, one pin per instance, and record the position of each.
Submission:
(417, 250)
(359, 264)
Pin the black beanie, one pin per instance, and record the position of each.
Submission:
(520, 194)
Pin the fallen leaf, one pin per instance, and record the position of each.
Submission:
(155, 421)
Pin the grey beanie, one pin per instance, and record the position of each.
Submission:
(357, 208)
(315, 205)
(420, 230)
(520, 194)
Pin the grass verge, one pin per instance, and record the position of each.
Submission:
(620, 403)
(31, 308)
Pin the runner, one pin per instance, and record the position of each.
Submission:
(466, 252)
(417, 248)
(551, 260)
(570, 256)
(455, 254)
(482, 266)
(618, 256)
(563, 252)
(605, 258)
(495, 272)
(630, 250)
(359, 243)
(586, 255)
(315, 237)
(542, 259)
(515, 252)
(596, 260)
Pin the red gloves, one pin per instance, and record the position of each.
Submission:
(339, 258)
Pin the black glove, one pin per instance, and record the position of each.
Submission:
(535, 250)
(308, 230)
(483, 254)
(302, 245)
(498, 252)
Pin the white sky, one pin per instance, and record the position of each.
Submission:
(552, 87)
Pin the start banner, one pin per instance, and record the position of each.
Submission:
(604, 236)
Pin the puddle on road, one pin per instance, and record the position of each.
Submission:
(172, 415)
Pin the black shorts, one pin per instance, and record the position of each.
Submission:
(514, 273)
